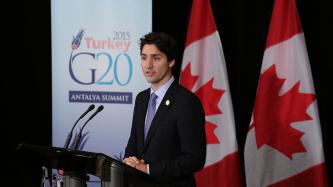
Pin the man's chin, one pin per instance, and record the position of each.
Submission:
(151, 80)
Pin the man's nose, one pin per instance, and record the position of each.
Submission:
(150, 63)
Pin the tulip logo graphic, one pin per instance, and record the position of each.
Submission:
(77, 39)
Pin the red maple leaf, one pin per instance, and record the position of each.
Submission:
(210, 136)
(209, 98)
(187, 79)
(274, 114)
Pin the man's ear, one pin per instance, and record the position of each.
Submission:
(172, 63)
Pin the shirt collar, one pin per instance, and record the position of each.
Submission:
(163, 89)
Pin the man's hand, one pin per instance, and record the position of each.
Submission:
(142, 166)
(136, 163)
(131, 161)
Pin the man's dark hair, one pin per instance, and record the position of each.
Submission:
(164, 42)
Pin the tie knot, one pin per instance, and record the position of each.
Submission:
(153, 97)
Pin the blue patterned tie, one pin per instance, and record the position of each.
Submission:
(151, 112)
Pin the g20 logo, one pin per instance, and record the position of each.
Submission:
(112, 68)
(112, 65)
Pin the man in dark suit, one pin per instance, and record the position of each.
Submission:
(167, 137)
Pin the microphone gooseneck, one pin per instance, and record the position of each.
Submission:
(79, 135)
(70, 134)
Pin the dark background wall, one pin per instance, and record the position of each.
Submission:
(242, 25)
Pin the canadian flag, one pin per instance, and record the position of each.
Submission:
(284, 145)
(204, 72)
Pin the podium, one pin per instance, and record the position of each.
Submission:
(77, 164)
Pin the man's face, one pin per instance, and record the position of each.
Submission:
(155, 65)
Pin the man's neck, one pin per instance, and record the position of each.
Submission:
(156, 86)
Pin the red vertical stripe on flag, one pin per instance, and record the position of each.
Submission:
(284, 17)
(309, 178)
(201, 13)
(215, 175)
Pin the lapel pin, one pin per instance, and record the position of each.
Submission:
(167, 102)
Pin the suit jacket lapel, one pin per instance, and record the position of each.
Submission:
(161, 111)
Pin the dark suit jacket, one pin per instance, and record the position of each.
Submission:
(175, 147)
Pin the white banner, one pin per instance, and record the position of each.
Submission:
(96, 60)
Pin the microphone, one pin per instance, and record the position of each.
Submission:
(79, 135)
(69, 136)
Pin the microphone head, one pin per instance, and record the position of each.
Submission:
(100, 108)
(91, 107)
